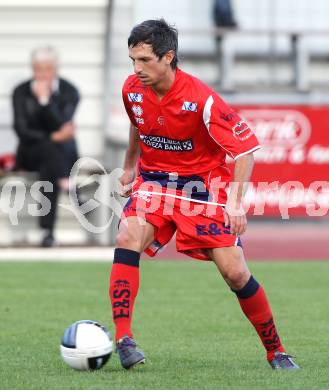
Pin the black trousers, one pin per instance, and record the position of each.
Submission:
(52, 161)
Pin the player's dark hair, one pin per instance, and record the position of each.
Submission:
(159, 34)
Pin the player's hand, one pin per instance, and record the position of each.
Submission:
(126, 181)
(65, 133)
(235, 217)
(68, 130)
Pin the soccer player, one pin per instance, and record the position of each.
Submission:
(181, 132)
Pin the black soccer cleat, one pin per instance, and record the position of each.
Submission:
(129, 355)
(283, 361)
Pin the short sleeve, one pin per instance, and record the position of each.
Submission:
(228, 129)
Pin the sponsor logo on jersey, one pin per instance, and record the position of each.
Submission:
(240, 128)
(135, 97)
(190, 106)
(137, 110)
(227, 117)
(161, 120)
(167, 144)
(140, 121)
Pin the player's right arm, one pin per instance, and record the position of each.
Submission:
(129, 167)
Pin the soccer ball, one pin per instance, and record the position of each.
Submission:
(86, 345)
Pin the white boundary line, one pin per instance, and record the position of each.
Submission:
(104, 254)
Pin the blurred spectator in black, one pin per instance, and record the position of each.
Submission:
(223, 17)
(43, 120)
(223, 14)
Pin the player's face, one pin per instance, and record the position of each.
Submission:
(44, 71)
(147, 66)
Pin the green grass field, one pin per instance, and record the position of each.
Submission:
(186, 320)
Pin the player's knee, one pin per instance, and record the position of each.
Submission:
(236, 277)
(127, 240)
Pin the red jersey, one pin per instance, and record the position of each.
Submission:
(189, 131)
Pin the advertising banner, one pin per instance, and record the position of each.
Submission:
(291, 174)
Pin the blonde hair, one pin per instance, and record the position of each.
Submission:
(44, 54)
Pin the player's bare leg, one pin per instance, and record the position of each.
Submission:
(134, 234)
(132, 238)
(253, 301)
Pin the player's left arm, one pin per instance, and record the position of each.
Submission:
(234, 214)
(239, 142)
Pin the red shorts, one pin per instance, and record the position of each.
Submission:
(198, 226)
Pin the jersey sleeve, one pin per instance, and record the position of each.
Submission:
(228, 129)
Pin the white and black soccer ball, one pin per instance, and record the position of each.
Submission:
(86, 345)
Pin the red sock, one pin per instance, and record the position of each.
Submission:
(124, 283)
(256, 307)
